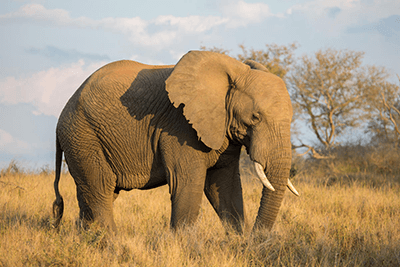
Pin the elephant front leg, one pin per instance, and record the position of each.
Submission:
(186, 190)
(224, 191)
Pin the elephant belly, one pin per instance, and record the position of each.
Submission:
(130, 149)
(155, 177)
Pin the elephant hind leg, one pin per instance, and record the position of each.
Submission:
(95, 184)
(96, 207)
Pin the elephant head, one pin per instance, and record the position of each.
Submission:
(224, 98)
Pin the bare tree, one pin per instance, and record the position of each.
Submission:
(276, 58)
(328, 93)
(384, 106)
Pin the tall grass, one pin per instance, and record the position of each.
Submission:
(344, 217)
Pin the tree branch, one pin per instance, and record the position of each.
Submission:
(314, 152)
(389, 108)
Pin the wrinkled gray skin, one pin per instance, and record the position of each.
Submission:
(135, 126)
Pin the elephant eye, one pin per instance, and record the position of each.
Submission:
(256, 118)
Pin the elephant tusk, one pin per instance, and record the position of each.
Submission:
(262, 177)
(292, 189)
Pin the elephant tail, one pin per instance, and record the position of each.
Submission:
(58, 204)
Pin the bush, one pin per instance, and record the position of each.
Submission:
(12, 169)
(372, 165)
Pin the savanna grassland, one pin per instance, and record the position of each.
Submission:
(348, 214)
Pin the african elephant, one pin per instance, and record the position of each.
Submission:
(135, 126)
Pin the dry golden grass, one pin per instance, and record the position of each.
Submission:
(337, 221)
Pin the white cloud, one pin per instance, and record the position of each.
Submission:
(136, 29)
(164, 31)
(242, 13)
(12, 145)
(194, 24)
(168, 29)
(37, 12)
(48, 90)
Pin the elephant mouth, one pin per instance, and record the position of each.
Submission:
(264, 180)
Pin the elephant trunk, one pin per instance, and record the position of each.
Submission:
(277, 161)
(271, 200)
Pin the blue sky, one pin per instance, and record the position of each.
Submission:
(48, 48)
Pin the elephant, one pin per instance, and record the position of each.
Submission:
(136, 126)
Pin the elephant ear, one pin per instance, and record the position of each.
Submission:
(200, 81)
(255, 65)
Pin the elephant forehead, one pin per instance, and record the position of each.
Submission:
(274, 103)
(266, 99)
(266, 86)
